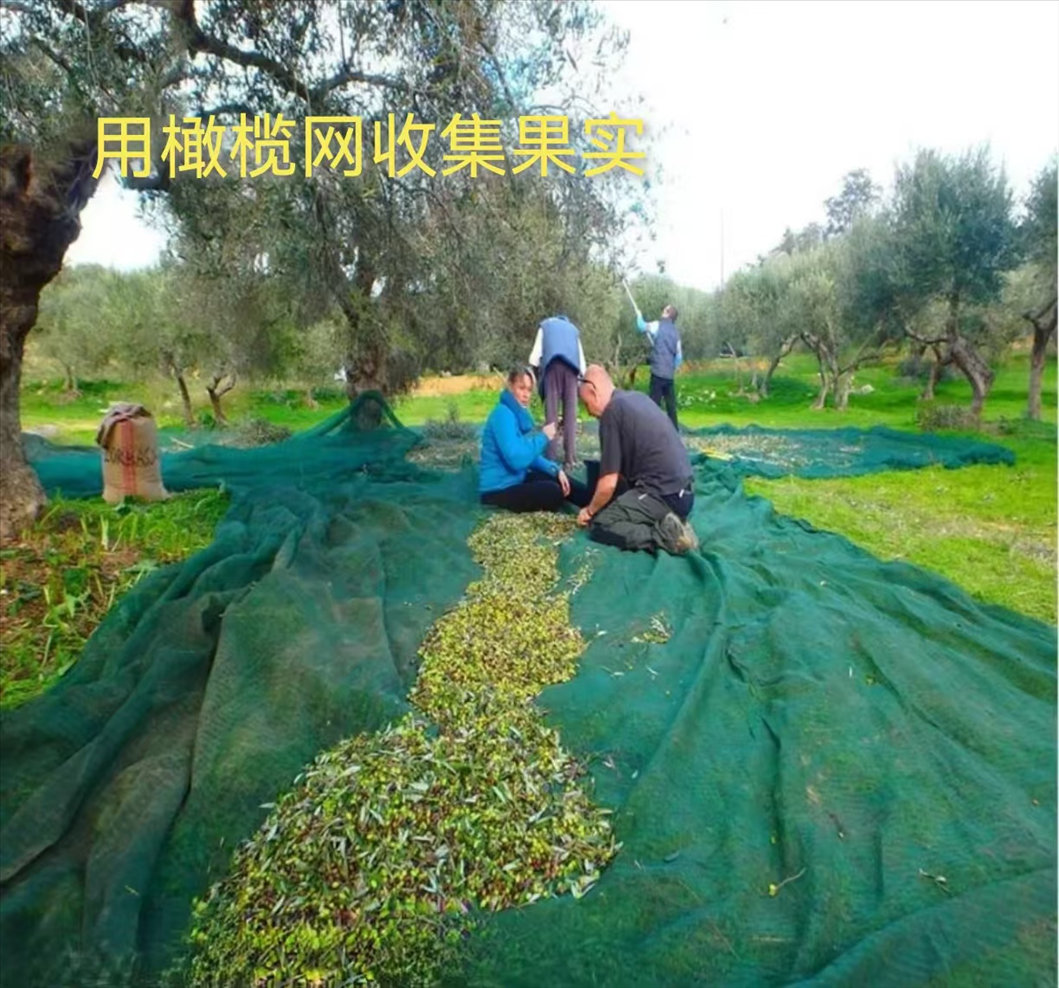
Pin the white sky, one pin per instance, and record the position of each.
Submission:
(756, 110)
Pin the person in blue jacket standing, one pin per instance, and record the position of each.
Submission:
(513, 473)
(666, 358)
(559, 361)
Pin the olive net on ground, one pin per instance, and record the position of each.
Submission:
(834, 770)
(816, 453)
(837, 452)
(822, 767)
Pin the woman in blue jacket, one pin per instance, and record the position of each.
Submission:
(514, 473)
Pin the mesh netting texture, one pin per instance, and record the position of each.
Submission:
(827, 769)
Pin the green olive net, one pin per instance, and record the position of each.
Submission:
(775, 760)
(367, 870)
(837, 452)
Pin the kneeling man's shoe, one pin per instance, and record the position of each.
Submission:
(678, 536)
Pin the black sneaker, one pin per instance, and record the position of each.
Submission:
(677, 537)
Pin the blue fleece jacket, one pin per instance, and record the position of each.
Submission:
(509, 449)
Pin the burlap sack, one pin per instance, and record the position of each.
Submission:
(131, 467)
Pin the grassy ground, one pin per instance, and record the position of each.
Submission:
(64, 574)
(711, 397)
(708, 396)
(990, 529)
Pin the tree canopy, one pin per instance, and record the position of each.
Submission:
(396, 251)
(933, 263)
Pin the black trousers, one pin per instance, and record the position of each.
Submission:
(631, 519)
(538, 492)
(664, 389)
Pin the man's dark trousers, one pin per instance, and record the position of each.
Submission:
(560, 384)
(631, 519)
(664, 388)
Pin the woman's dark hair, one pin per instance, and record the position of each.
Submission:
(521, 370)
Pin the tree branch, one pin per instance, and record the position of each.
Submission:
(869, 349)
(926, 341)
(500, 75)
(73, 8)
(92, 19)
(53, 55)
(214, 387)
(224, 108)
(347, 75)
(1035, 318)
(199, 41)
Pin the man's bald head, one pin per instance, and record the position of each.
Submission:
(596, 389)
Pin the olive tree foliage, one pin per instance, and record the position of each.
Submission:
(857, 200)
(696, 321)
(414, 261)
(754, 316)
(807, 299)
(245, 329)
(954, 239)
(808, 238)
(812, 307)
(66, 63)
(75, 326)
(808, 292)
(932, 265)
(822, 311)
(164, 320)
(525, 250)
(161, 334)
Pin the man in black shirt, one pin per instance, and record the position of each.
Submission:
(645, 489)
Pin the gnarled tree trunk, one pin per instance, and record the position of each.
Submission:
(821, 397)
(41, 207)
(785, 348)
(1044, 323)
(975, 369)
(173, 367)
(217, 389)
(827, 367)
(963, 354)
(935, 374)
(843, 383)
(70, 384)
(366, 361)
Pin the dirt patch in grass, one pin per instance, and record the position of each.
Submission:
(435, 387)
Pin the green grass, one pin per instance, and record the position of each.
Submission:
(989, 529)
(712, 392)
(471, 406)
(75, 419)
(62, 576)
